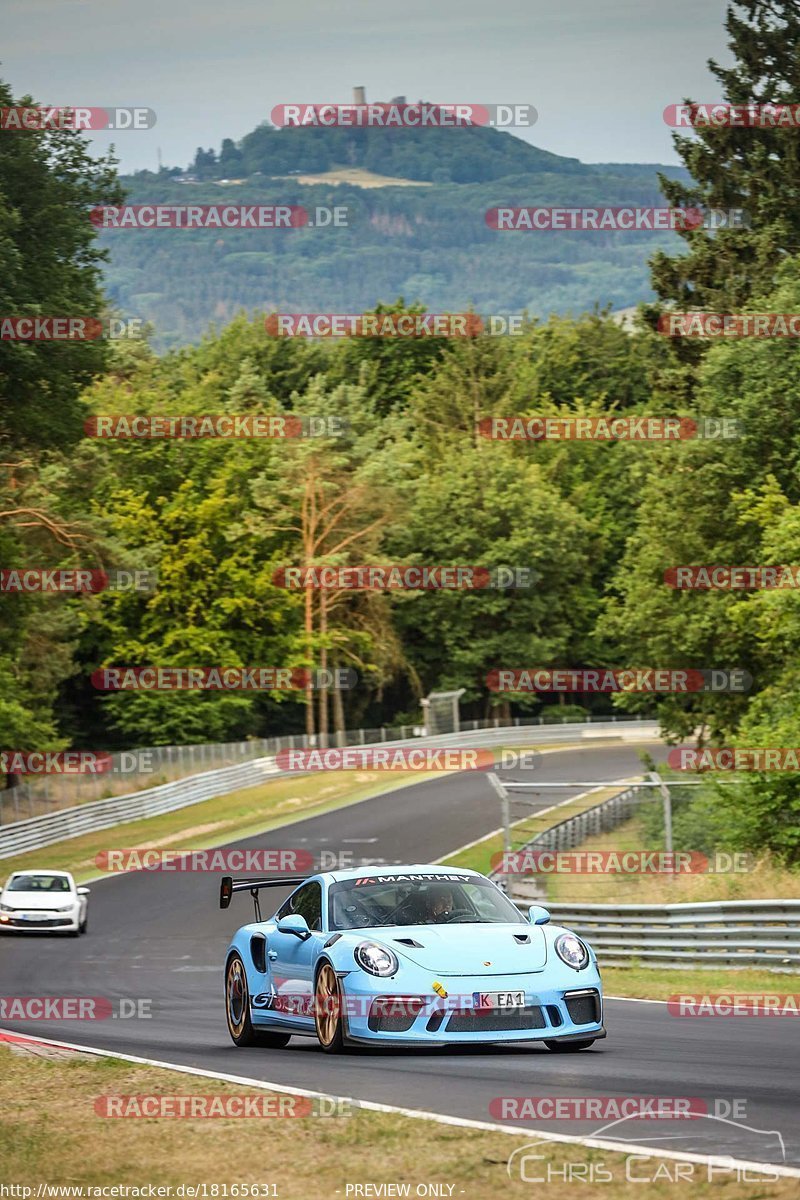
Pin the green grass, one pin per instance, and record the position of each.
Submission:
(51, 1132)
(659, 983)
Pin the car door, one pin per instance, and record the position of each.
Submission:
(290, 958)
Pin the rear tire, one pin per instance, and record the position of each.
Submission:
(569, 1047)
(328, 1010)
(237, 1011)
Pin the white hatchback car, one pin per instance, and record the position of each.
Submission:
(44, 900)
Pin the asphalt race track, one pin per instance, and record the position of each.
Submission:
(161, 937)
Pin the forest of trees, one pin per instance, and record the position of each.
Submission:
(411, 482)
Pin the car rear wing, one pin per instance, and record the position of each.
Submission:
(228, 886)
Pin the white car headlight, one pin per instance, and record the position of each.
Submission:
(571, 950)
(376, 960)
(6, 908)
(63, 908)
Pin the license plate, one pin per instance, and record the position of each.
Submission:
(498, 999)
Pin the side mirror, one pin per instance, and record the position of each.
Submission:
(82, 891)
(538, 914)
(295, 924)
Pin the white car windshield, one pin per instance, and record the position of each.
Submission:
(367, 903)
(38, 883)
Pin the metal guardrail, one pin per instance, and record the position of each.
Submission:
(37, 832)
(149, 766)
(734, 933)
(602, 818)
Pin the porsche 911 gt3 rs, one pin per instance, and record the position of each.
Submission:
(411, 955)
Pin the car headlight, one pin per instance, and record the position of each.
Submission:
(571, 950)
(376, 960)
(63, 908)
(6, 908)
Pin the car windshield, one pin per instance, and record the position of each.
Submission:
(38, 883)
(407, 899)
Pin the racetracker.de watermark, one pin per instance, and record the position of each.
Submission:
(194, 1107)
(620, 219)
(394, 325)
(222, 679)
(400, 114)
(627, 679)
(728, 578)
(76, 762)
(385, 758)
(606, 428)
(74, 1008)
(278, 861)
(531, 861)
(73, 328)
(40, 119)
(426, 578)
(218, 216)
(613, 1108)
(729, 325)
(74, 580)
(732, 116)
(734, 758)
(735, 1004)
(219, 425)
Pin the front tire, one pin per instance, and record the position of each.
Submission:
(328, 1010)
(569, 1047)
(237, 1011)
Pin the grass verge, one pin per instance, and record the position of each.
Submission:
(647, 983)
(765, 880)
(51, 1134)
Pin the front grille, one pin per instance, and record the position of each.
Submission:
(496, 1020)
(40, 922)
(583, 1009)
(394, 1014)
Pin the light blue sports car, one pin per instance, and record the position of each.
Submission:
(416, 955)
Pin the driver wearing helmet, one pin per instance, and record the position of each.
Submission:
(438, 903)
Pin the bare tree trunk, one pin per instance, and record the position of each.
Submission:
(323, 662)
(309, 656)
(338, 715)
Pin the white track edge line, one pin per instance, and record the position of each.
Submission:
(420, 1114)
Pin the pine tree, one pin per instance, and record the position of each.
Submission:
(749, 168)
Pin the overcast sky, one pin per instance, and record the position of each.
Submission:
(599, 73)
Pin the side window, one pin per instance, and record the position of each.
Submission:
(308, 904)
(307, 901)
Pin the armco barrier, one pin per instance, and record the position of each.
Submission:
(104, 814)
(733, 933)
(37, 832)
(602, 818)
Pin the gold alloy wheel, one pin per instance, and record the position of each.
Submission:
(326, 1005)
(236, 997)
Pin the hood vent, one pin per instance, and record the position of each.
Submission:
(409, 942)
(522, 938)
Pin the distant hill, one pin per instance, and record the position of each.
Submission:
(470, 155)
(428, 244)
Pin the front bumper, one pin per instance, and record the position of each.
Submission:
(47, 921)
(569, 1009)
